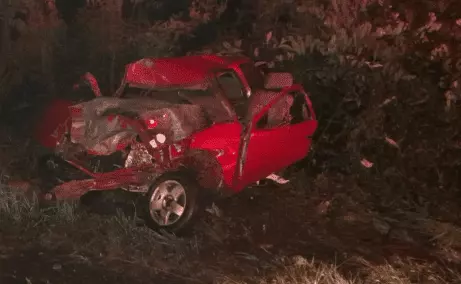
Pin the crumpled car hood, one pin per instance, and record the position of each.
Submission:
(98, 125)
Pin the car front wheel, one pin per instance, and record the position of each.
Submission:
(172, 203)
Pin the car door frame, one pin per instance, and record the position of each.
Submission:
(250, 125)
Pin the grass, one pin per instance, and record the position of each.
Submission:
(308, 273)
(323, 230)
(118, 242)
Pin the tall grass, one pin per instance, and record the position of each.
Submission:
(25, 209)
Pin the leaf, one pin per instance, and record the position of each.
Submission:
(287, 48)
(334, 4)
(364, 30)
(399, 29)
(391, 142)
(408, 77)
(387, 69)
(449, 98)
(447, 65)
(332, 40)
(458, 65)
(316, 44)
(227, 45)
(297, 47)
(323, 50)
(342, 60)
(334, 76)
(398, 75)
(290, 56)
(366, 163)
(268, 36)
(308, 41)
(234, 50)
(238, 43)
(302, 44)
(319, 75)
(388, 101)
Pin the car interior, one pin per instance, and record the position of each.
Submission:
(291, 109)
(234, 91)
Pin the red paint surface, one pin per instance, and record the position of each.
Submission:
(226, 138)
(178, 71)
(93, 84)
(269, 150)
(102, 181)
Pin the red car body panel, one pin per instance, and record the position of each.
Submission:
(224, 141)
(269, 150)
(245, 153)
(187, 71)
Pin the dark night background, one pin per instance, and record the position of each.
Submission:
(384, 77)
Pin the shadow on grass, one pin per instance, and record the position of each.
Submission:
(319, 231)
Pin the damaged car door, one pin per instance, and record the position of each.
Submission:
(278, 134)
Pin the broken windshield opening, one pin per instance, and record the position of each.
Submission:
(253, 75)
(233, 89)
(175, 96)
(204, 98)
(231, 85)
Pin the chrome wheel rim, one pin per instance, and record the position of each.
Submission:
(167, 203)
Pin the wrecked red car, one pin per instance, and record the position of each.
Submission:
(178, 129)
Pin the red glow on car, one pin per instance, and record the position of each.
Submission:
(151, 123)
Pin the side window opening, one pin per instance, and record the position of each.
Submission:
(205, 98)
(299, 110)
(254, 75)
(289, 110)
(233, 90)
(263, 122)
(231, 86)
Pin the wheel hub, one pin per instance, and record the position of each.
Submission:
(167, 203)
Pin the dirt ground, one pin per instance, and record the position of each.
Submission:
(41, 265)
(251, 238)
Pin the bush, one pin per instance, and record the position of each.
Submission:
(384, 75)
(384, 78)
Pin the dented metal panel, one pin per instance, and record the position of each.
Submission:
(98, 125)
(181, 119)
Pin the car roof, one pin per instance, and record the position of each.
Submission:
(186, 71)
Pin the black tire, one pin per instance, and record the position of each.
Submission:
(191, 208)
(49, 176)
